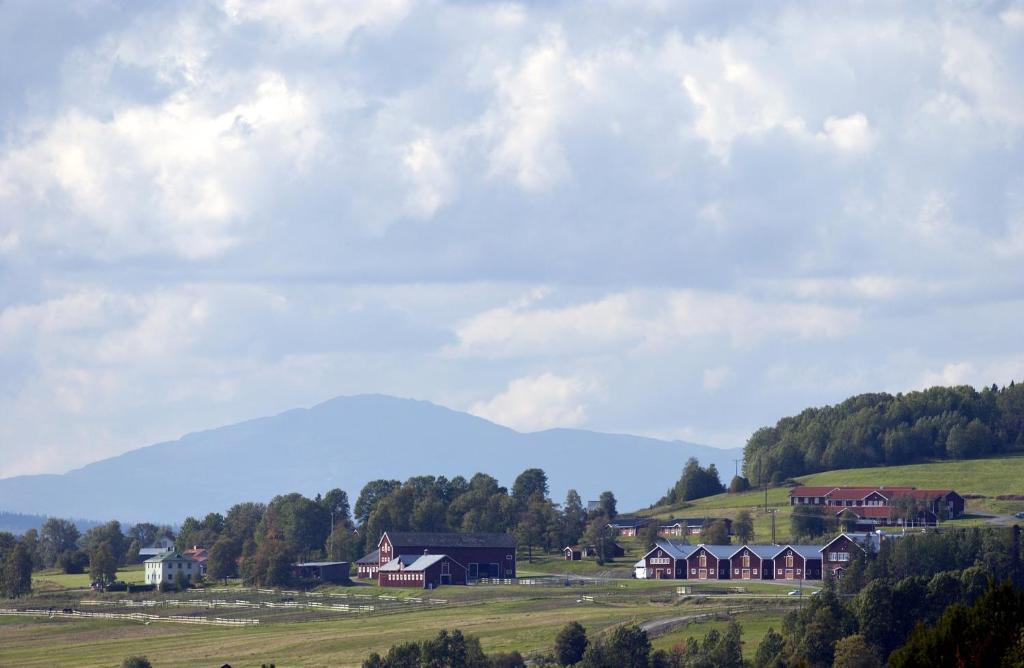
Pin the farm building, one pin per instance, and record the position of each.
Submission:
(924, 505)
(838, 552)
(170, 568)
(160, 546)
(322, 571)
(426, 571)
(199, 555)
(690, 526)
(797, 562)
(665, 561)
(709, 562)
(484, 555)
(752, 562)
(577, 552)
(368, 565)
(628, 526)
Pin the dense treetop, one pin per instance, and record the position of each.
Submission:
(869, 429)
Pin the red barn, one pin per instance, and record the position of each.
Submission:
(368, 566)
(797, 562)
(485, 555)
(666, 560)
(427, 571)
(628, 526)
(752, 562)
(709, 562)
(837, 554)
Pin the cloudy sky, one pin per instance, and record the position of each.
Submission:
(674, 219)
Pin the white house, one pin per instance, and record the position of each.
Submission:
(160, 546)
(172, 568)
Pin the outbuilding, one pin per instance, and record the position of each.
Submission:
(427, 571)
(752, 562)
(368, 565)
(322, 571)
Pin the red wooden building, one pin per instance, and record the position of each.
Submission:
(932, 504)
(797, 562)
(709, 562)
(752, 562)
(837, 554)
(666, 561)
(427, 571)
(485, 555)
(628, 526)
(690, 526)
(368, 566)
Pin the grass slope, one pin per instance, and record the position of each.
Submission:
(986, 477)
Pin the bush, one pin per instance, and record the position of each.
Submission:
(136, 662)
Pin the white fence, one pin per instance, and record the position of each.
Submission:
(132, 616)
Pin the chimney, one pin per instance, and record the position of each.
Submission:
(426, 551)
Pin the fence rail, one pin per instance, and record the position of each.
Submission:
(132, 616)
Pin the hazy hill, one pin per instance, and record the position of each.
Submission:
(344, 443)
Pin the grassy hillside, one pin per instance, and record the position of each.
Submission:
(988, 478)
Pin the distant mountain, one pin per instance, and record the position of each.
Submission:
(18, 523)
(346, 442)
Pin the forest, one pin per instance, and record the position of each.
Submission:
(875, 429)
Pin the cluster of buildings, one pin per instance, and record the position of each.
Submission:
(872, 507)
(683, 526)
(428, 560)
(670, 560)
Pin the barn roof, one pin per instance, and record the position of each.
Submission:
(446, 540)
(860, 539)
(169, 556)
(319, 564)
(868, 512)
(719, 551)
(412, 562)
(628, 522)
(762, 551)
(691, 521)
(672, 549)
(806, 490)
(371, 558)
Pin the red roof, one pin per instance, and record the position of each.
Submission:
(852, 493)
(197, 553)
(810, 491)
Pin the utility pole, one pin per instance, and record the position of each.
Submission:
(737, 462)
(772, 513)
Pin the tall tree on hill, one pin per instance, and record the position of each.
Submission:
(714, 533)
(607, 505)
(650, 534)
(529, 482)
(570, 644)
(102, 564)
(574, 518)
(56, 537)
(743, 527)
(31, 541)
(16, 571)
(242, 521)
(537, 524)
(145, 533)
(373, 493)
(220, 564)
(335, 505)
(109, 533)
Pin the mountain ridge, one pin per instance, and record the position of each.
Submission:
(345, 442)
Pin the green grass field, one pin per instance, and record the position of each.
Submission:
(985, 477)
(133, 574)
(505, 617)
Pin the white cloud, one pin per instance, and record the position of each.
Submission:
(715, 378)
(644, 318)
(329, 22)
(851, 133)
(539, 402)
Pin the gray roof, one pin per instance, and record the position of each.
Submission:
(371, 558)
(409, 562)
(805, 551)
(691, 521)
(862, 538)
(169, 556)
(401, 539)
(762, 551)
(719, 551)
(629, 522)
(672, 549)
(318, 564)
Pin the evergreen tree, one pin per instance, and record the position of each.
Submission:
(769, 652)
(855, 652)
(574, 519)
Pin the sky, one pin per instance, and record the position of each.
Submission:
(683, 220)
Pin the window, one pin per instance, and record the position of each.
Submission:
(789, 561)
(693, 571)
(170, 577)
(703, 561)
(746, 561)
(736, 571)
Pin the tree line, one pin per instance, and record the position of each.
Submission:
(885, 599)
(879, 428)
